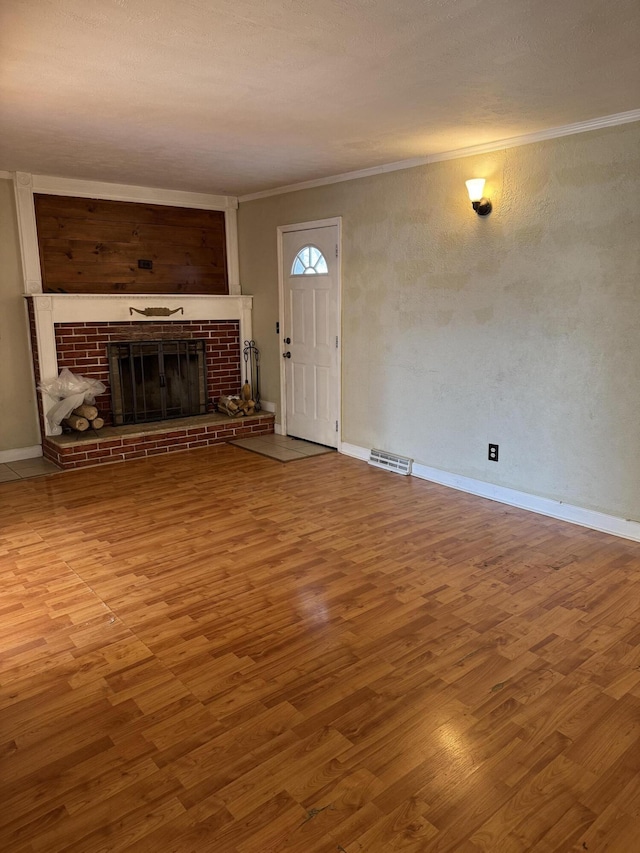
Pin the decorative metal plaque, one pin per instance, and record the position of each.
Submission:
(156, 312)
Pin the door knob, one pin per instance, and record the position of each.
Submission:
(286, 354)
(287, 340)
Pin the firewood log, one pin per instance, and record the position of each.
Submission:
(228, 403)
(86, 411)
(230, 406)
(97, 423)
(77, 423)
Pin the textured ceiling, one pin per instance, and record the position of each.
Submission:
(237, 96)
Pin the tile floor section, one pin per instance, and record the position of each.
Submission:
(282, 447)
(24, 469)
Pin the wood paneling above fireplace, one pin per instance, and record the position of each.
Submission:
(94, 246)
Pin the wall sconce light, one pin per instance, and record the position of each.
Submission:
(479, 203)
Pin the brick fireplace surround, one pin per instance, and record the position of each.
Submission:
(80, 345)
(82, 348)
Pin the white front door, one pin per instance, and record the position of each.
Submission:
(310, 331)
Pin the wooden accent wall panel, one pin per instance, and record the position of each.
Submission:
(93, 246)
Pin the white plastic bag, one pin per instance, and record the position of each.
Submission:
(71, 391)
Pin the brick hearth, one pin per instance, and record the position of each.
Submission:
(115, 444)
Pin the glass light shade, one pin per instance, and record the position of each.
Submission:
(475, 188)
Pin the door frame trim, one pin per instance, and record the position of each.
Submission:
(281, 231)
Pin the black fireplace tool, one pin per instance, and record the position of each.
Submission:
(252, 370)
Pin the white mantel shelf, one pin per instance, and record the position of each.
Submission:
(116, 307)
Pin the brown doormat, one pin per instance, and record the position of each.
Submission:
(282, 447)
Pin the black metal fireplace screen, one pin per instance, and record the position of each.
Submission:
(157, 380)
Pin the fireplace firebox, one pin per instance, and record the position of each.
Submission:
(157, 380)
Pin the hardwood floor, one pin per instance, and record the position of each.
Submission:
(213, 651)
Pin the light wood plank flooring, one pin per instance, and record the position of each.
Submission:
(213, 651)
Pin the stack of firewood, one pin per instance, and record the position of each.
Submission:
(83, 417)
(238, 407)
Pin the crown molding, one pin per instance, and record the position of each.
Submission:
(6, 176)
(53, 185)
(485, 148)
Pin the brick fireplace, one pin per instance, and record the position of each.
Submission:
(73, 331)
(82, 348)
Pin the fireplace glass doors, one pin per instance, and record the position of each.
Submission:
(157, 380)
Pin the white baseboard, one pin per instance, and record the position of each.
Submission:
(268, 406)
(523, 500)
(20, 453)
(353, 450)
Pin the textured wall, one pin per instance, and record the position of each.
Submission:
(18, 414)
(520, 328)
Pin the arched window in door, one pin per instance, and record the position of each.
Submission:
(309, 261)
